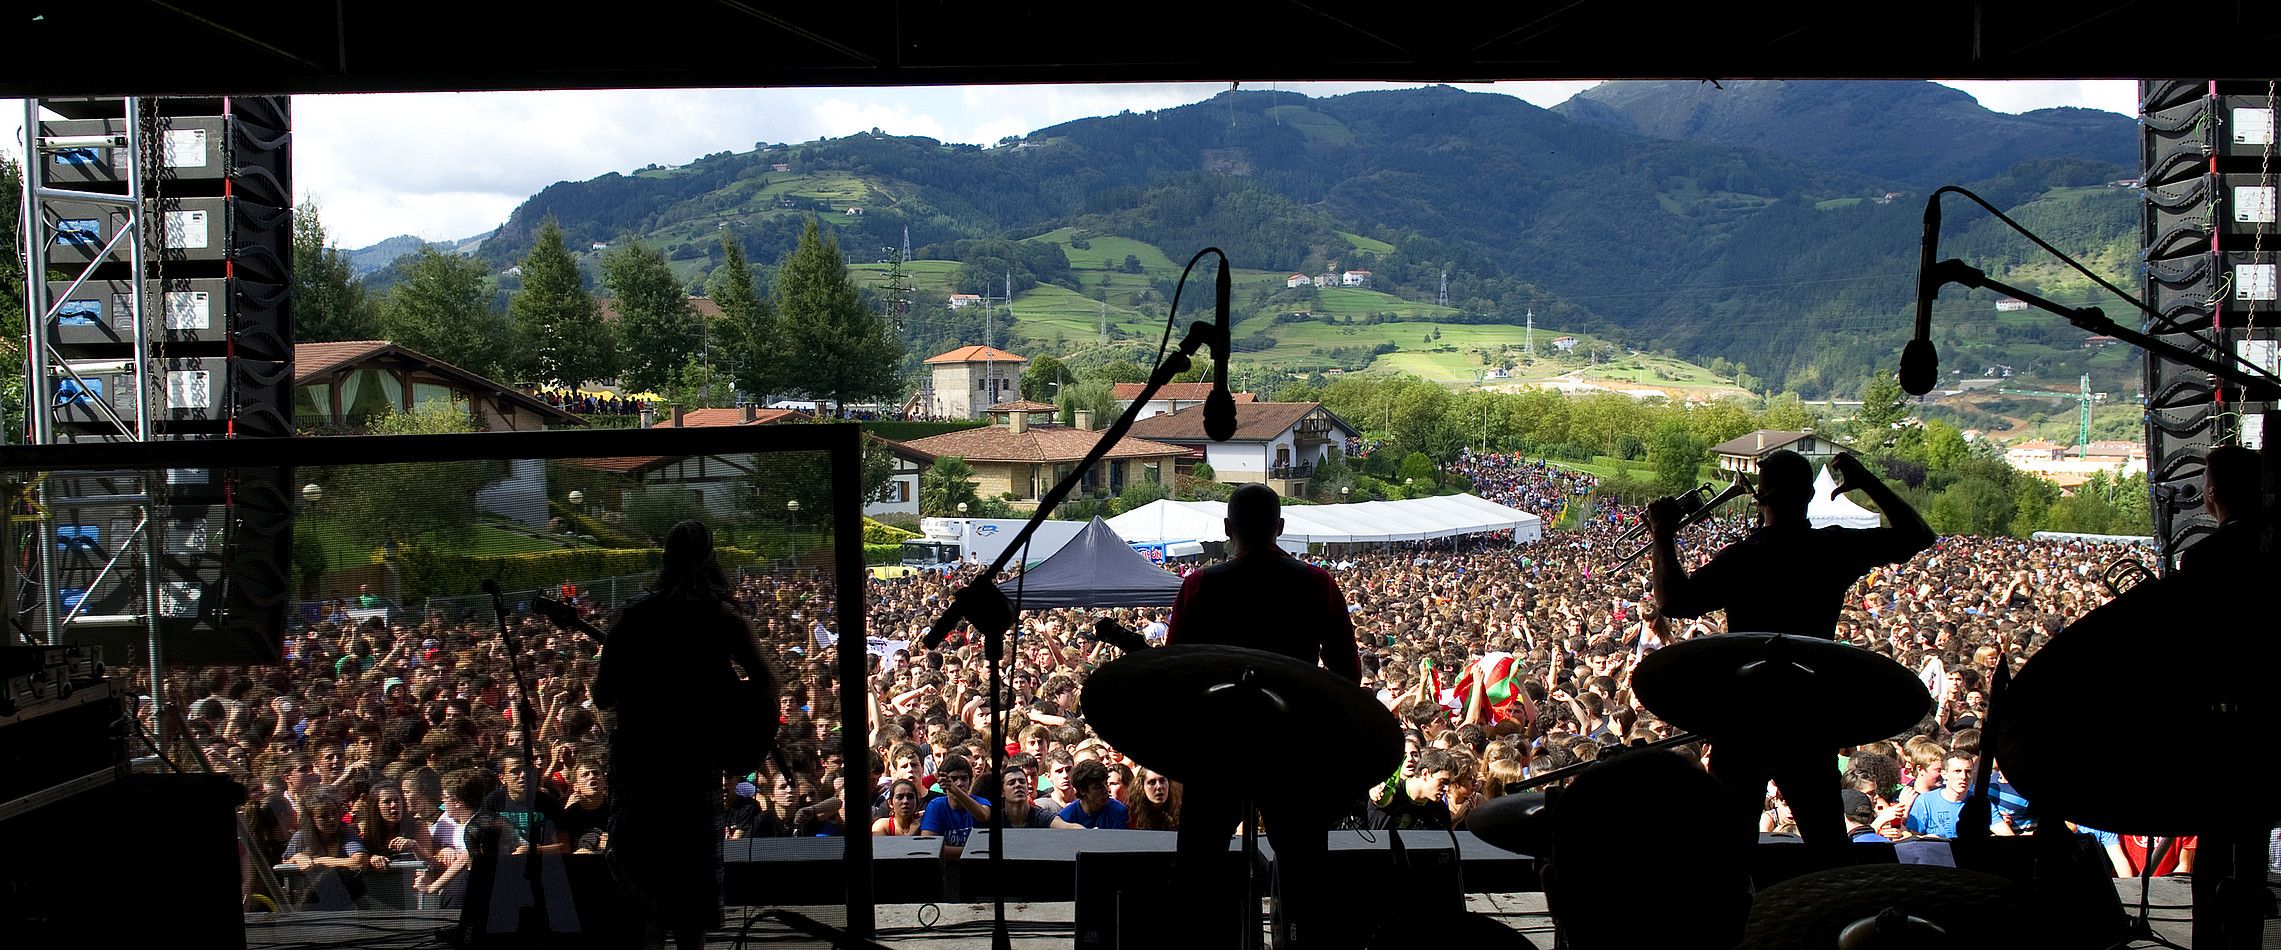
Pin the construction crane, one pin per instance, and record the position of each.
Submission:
(2083, 420)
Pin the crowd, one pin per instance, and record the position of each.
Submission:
(590, 403)
(379, 741)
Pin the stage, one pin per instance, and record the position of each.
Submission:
(1038, 926)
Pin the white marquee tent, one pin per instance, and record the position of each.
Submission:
(1368, 522)
(1825, 511)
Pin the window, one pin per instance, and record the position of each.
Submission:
(313, 406)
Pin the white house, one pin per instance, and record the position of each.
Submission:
(958, 301)
(1172, 398)
(1355, 278)
(1741, 454)
(1278, 443)
(1295, 280)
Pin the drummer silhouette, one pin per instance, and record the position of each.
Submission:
(1263, 599)
(1785, 577)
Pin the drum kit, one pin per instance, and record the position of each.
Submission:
(2056, 729)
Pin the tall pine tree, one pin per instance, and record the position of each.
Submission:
(747, 331)
(563, 339)
(329, 301)
(835, 347)
(444, 310)
(657, 329)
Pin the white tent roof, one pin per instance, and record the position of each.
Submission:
(1412, 519)
(1825, 511)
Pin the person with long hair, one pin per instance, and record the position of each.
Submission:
(902, 811)
(1153, 800)
(332, 853)
(666, 672)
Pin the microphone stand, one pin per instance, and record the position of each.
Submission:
(981, 604)
(2255, 387)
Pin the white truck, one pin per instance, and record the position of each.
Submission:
(978, 540)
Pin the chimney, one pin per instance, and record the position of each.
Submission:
(1084, 419)
(751, 412)
(1758, 441)
(1018, 421)
(677, 417)
(649, 417)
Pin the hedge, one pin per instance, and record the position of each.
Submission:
(539, 570)
(882, 554)
(875, 532)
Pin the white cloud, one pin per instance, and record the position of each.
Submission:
(2016, 96)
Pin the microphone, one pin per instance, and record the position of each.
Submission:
(1220, 406)
(1920, 363)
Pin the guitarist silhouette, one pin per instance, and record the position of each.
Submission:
(666, 673)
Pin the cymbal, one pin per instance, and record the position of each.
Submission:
(1170, 709)
(1518, 823)
(1766, 684)
(1977, 910)
(2075, 702)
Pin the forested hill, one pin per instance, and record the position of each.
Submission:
(1918, 133)
(1796, 262)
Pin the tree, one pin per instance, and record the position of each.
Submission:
(407, 502)
(1098, 397)
(879, 464)
(442, 309)
(657, 328)
(11, 296)
(698, 385)
(1787, 413)
(1041, 379)
(1883, 405)
(329, 302)
(746, 333)
(1676, 453)
(841, 350)
(946, 484)
(563, 339)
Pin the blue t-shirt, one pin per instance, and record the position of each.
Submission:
(1113, 815)
(1934, 815)
(953, 823)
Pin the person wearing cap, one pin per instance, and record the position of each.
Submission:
(1860, 817)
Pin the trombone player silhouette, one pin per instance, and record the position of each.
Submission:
(1788, 577)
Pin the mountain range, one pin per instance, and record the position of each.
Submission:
(1771, 225)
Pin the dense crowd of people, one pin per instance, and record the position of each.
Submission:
(382, 741)
(587, 403)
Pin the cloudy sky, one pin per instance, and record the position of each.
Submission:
(449, 165)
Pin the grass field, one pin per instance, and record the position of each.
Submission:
(1050, 316)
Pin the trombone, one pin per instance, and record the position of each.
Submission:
(1693, 509)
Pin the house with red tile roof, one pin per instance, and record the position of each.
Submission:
(713, 481)
(1172, 398)
(343, 387)
(1026, 459)
(964, 381)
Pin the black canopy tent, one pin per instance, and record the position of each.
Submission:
(1095, 569)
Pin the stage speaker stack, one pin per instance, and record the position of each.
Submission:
(2211, 250)
(206, 192)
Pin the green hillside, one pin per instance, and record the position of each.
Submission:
(1730, 245)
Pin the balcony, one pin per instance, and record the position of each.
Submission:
(1300, 471)
(1313, 430)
